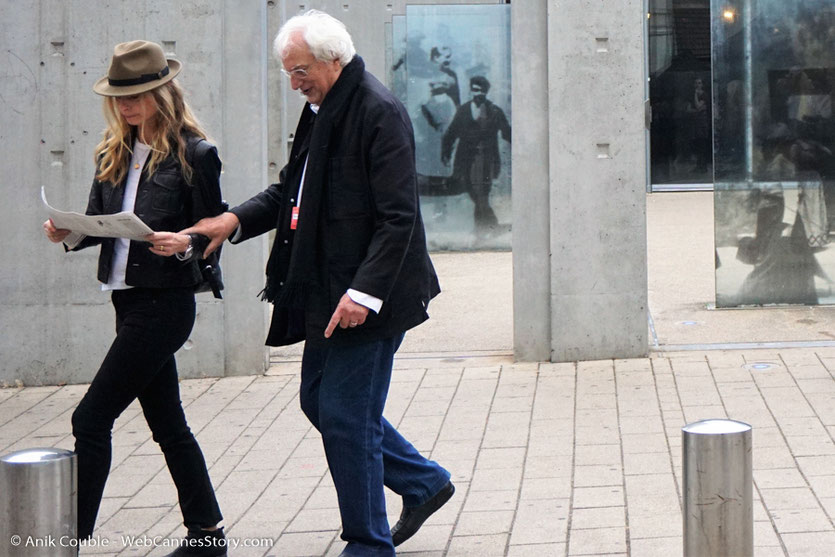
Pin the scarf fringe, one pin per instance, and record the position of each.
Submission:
(288, 296)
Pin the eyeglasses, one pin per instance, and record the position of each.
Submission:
(299, 73)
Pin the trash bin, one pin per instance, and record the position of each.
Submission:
(38, 489)
(718, 488)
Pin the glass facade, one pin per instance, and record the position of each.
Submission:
(679, 67)
(451, 68)
(774, 139)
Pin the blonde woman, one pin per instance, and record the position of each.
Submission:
(153, 160)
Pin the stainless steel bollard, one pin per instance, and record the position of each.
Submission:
(718, 487)
(38, 489)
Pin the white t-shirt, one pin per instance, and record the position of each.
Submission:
(121, 246)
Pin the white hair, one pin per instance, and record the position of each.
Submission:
(325, 36)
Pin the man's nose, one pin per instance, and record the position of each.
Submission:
(295, 82)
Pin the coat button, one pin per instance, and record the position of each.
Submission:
(286, 241)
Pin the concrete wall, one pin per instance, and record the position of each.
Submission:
(582, 294)
(56, 323)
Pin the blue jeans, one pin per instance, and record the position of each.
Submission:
(343, 393)
(151, 324)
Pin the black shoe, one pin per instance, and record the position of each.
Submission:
(412, 518)
(202, 543)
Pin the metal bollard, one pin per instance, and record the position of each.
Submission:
(38, 489)
(718, 488)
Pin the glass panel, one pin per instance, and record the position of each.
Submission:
(680, 92)
(458, 96)
(774, 69)
(396, 56)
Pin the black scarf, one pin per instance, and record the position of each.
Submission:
(302, 273)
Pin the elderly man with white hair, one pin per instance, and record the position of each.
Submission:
(349, 273)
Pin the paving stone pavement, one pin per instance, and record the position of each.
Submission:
(548, 459)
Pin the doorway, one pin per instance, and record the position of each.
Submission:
(679, 75)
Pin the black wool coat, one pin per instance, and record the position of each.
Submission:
(369, 234)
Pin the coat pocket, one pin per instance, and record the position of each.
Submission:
(166, 193)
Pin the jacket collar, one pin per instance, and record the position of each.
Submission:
(334, 104)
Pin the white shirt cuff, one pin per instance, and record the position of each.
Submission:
(236, 235)
(372, 303)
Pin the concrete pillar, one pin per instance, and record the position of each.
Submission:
(531, 171)
(597, 293)
(243, 96)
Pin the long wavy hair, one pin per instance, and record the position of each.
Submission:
(173, 118)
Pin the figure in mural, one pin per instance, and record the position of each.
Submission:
(436, 112)
(475, 130)
(784, 260)
(442, 57)
(784, 265)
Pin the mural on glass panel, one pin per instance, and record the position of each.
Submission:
(774, 146)
(451, 67)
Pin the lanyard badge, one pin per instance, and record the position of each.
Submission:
(294, 218)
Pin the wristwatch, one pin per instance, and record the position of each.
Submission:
(189, 250)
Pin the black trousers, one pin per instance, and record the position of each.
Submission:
(151, 324)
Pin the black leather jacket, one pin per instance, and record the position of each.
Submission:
(166, 203)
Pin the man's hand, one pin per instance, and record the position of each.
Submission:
(216, 228)
(348, 313)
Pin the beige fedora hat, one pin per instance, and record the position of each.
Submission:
(136, 67)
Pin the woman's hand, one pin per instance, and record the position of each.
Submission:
(168, 243)
(56, 235)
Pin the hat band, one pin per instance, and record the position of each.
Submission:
(144, 78)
